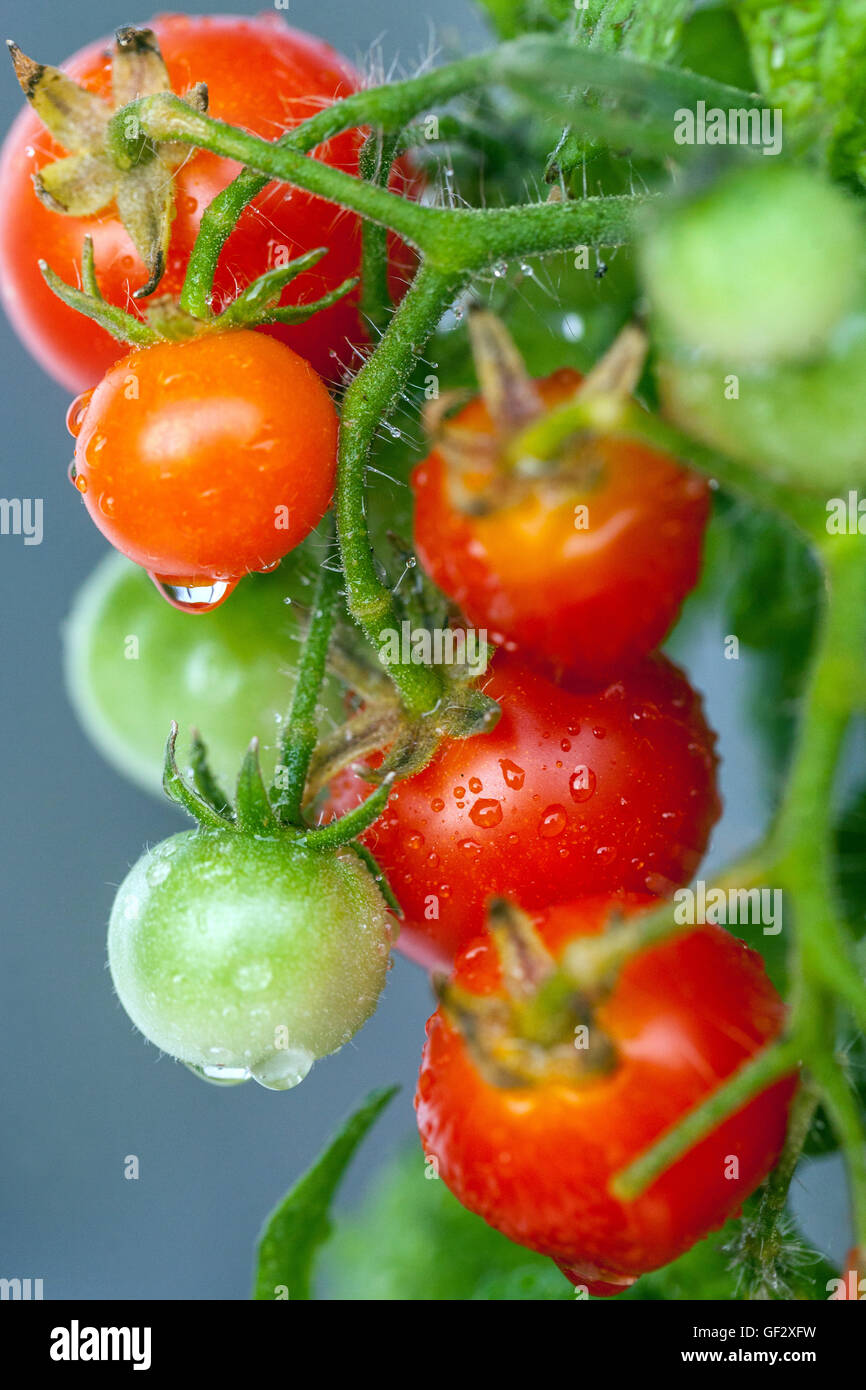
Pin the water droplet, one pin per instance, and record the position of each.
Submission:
(95, 445)
(459, 792)
(188, 204)
(475, 785)
(553, 822)
(282, 1070)
(500, 270)
(445, 890)
(433, 860)
(80, 482)
(514, 776)
(606, 854)
(106, 504)
(565, 745)
(220, 1076)
(598, 731)
(470, 846)
(255, 975)
(486, 813)
(582, 783)
(157, 873)
(77, 411)
(415, 840)
(189, 598)
(268, 569)
(437, 804)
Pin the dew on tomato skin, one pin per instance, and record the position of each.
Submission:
(459, 792)
(95, 445)
(255, 975)
(433, 860)
(599, 732)
(156, 873)
(553, 822)
(80, 482)
(470, 846)
(219, 1076)
(106, 504)
(606, 854)
(486, 813)
(415, 840)
(77, 411)
(513, 839)
(284, 1069)
(582, 783)
(445, 890)
(190, 598)
(513, 775)
(475, 785)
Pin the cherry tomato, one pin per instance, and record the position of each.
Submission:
(261, 75)
(133, 664)
(206, 459)
(573, 792)
(247, 956)
(584, 573)
(535, 1160)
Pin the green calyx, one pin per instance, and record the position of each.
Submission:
(256, 810)
(164, 319)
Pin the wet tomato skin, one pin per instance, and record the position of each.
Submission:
(589, 593)
(262, 75)
(206, 459)
(574, 792)
(535, 1162)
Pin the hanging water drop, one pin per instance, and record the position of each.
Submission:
(191, 598)
(282, 1070)
(220, 1076)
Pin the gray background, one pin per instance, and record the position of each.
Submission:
(79, 1089)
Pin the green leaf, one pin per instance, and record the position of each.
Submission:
(300, 1224)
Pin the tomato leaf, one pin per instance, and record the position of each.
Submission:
(300, 1224)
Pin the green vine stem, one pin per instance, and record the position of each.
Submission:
(301, 732)
(529, 61)
(374, 166)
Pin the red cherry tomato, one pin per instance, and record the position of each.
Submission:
(573, 792)
(205, 459)
(587, 591)
(261, 75)
(535, 1160)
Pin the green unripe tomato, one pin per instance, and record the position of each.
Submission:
(759, 268)
(248, 957)
(133, 664)
(802, 425)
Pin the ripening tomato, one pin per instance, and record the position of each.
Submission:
(260, 74)
(205, 459)
(573, 792)
(535, 1157)
(584, 571)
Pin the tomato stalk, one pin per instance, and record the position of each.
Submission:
(301, 730)
(374, 165)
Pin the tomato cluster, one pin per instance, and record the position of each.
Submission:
(251, 947)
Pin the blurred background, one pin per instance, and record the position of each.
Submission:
(80, 1089)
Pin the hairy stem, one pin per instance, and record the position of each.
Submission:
(301, 732)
